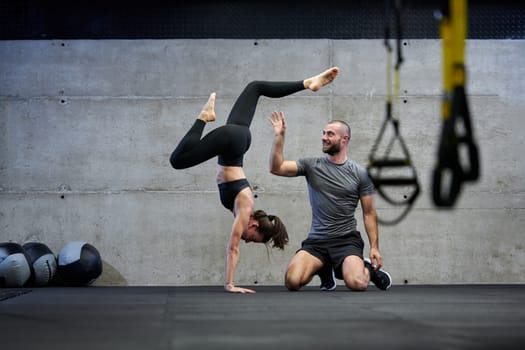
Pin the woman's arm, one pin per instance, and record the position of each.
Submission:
(243, 210)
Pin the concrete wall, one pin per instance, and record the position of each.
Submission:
(87, 127)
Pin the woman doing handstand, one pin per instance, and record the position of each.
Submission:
(229, 143)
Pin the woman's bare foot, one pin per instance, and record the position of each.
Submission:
(208, 111)
(317, 82)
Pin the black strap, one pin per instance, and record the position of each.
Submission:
(451, 169)
(379, 164)
(450, 166)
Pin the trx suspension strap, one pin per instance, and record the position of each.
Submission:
(451, 169)
(378, 165)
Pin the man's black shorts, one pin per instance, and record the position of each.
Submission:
(334, 250)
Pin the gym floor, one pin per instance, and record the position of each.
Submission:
(404, 317)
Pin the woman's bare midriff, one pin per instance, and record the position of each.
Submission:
(229, 173)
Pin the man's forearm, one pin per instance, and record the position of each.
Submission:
(370, 221)
(276, 155)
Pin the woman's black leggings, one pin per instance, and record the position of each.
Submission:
(230, 141)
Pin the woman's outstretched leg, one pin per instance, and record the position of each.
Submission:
(191, 149)
(243, 110)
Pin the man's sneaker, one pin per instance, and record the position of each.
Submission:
(381, 278)
(327, 276)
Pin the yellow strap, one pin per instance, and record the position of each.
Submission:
(446, 37)
(458, 10)
(453, 31)
(389, 76)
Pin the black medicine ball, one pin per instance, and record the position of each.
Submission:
(43, 262)
(79, 264)
(15, 269)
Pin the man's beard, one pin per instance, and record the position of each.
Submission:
(333, 149)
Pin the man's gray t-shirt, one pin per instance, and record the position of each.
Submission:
(334, 191)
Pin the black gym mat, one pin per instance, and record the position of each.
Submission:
(404, 317)
(12, 293)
